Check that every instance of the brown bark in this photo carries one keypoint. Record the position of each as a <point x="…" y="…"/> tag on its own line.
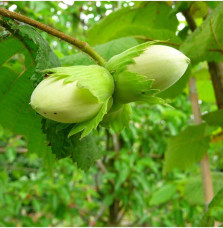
<point x="205" y="168"/>
<point x="114" y="207"/>
<point x="215" y="69"/>
<point x="216" y="72"/>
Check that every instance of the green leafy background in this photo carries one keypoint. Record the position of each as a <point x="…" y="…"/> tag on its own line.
<point x="148" y="174"/>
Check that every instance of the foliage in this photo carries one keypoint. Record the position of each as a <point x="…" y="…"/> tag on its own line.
<point x="214" y="212"/>
<point x="31" y="50"/>
<point x="209" y="32"/>
<point x="127" y="185"/>
<point x="186" y="148"/>
<point x="146" y="15"/>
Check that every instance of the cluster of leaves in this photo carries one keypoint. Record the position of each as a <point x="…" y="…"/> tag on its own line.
<point x="70" y="196"/>
<point x="30" y="197"/>
<point x="15" y="78"/>
<point x="132" y="181"/>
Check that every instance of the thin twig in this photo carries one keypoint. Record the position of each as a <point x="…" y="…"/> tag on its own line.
<point x="101" y="166"/>
<point x="171" y="43"/>
<point x="11" y="167"/>
<point x="15" y="140"/>
<point x="86" y="48"/>
<point x="190" y="21"/>
<point x="216" y="73"/>
<point x="215" y="50"/>
<point x="150" y="39"/>
<point x="116" y="142"/>
<point x="100" y="213"/>
<point x="18" y="150"/>
<point x="103" y="169"/>
<point x="120" y="216"/>
<point x="205" y="168"/>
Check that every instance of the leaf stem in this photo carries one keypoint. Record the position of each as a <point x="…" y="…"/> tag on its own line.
<point x="83" y="46"/>
<point x="171" y="43"/>
<point x="149" y="39"/>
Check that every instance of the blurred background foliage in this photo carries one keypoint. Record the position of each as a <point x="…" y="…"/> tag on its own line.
<point x="127" y="186"/>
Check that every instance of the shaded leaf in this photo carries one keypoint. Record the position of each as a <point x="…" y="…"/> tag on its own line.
<point x="84" y="152"/>
<point x="147" y="15"/>
<point x="215" y="210"/>
<point x="106" y="50"/>
<point x="214" y="118"/>
<point x="164" y="194"/>
<point x="200" y="44"/>
<point x="143" y="33"/>
<point x="193" y="191"/>
<point x="187" y="148"/>
<point x="118" y="119"/>
<point x="16" y="88"/>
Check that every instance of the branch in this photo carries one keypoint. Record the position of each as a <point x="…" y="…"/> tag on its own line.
<point x="205" y="167"/>
<point x="116" y="142"/>
<point x="77" y="43"/>
<point x="216" y="72"/>
<point x="100" y="213"/>
<point x="18" y="150"/>
<point x="103" y="169"/>
<point x="190" y="21"/>
<point x="215" y="69"/>
<point x="171" y="43"/>
<point x="149" y="39"/>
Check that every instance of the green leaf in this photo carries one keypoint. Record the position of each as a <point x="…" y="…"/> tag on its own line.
<point x="84" y="152"/>
<point x="132" y="87"/>
<point x="204" y="84"/>
<point x="187" y="148"/>
<point x="181" y="6"/>
<point x="117" y="119"/>
<point x="163" y="195"/>
<point x="147" y="15"/>
<point x="10" y="153"/>
<point x="45" y="57"/>
<point x="202" y="43"/>
<point x="198" y="9"/>
<point x="207" y="221"/>
<point x="212" y="4"/>
<point x="215" y="210"/>
<point x="193" y="191"/>
<point x="214" y="118"/>
<point x="106" y="50"/>
<point x="108" y="200"/>
<point x="202" y="73"/>
<point x="122" y="176"/>
<point x="143" y="33"/>
<point x="206" y="91"/>
<point x="16" y="88"/>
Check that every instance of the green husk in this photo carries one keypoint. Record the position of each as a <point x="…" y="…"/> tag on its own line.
<point x="131" y="87"/>
<point x="88" y="77"/>
<point x="94" y="79"/>
<point x="118" y="63"/>
<point x="118" y="117"/>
